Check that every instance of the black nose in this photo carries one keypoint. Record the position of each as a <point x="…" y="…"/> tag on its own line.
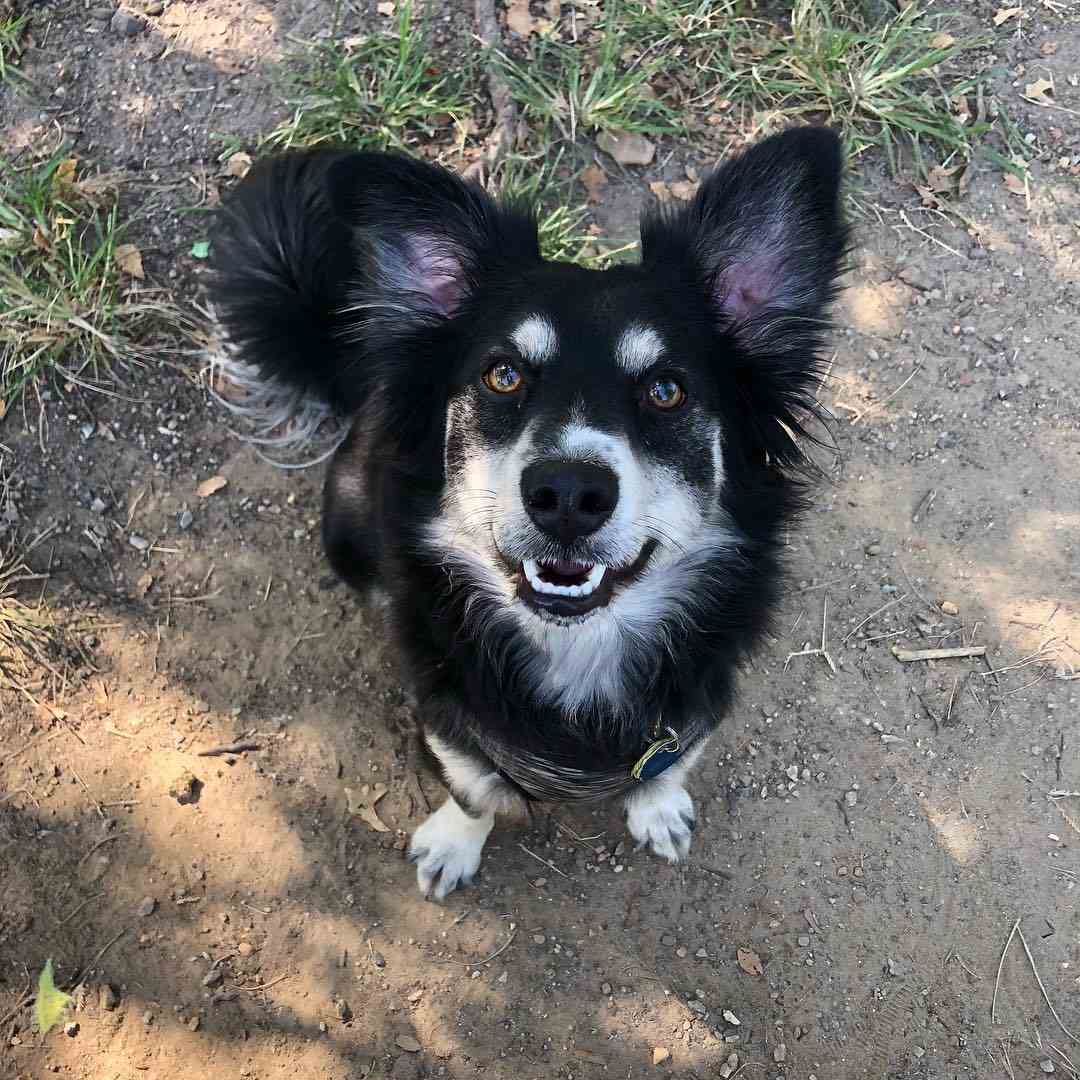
<point x="569" y="499"/>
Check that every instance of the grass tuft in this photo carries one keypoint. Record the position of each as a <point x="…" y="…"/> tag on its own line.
<point x="378" y="91"/>
<point x="69" y="308"/>
<point x="11" y="32"/>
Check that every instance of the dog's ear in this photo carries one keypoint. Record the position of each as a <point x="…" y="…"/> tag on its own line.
<point x="424" y="237"/>
<point x="763" y="235"/>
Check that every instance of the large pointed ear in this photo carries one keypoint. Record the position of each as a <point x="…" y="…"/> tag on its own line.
<point x="424" y="238"/>
<point x="764" y="235"/>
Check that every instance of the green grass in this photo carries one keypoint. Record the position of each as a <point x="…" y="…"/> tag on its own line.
<point x="378" y="92"/>
<point x="68" y="308"/>
<point x="895" y="86"/>
<point x="11" y="31"/>
<point x="575" y="88"/>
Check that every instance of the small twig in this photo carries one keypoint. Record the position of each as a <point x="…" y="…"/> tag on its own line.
<point x="873" y="615"/>
<point x="907" y="656"/>
<point x="99" y="954"/>
<point x="548" y="864"/>
<point x="1001" y="964"/>
<point x="498" y="952"/>
<point x="67" y="918"/>
<point x="251" y="907"/>
<point x="122" y="734"/>
<point x="89" y="794"/>
<point x="229" y="748"/>
<point x="114" y="836"/>
<point x="265" y="985"/>
<point x="1038" y="979"/>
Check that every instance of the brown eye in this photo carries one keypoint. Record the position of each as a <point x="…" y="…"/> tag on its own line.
<point x="503" y="378"/>
<point x="666" y="394"/>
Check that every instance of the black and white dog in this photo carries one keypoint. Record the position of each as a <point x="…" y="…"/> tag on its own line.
<point x="569" y="483"/>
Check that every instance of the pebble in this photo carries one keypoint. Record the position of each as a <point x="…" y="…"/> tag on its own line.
<point x="851" y="798"/>
<point x="408" y="1044"/>
<point x="147" y="906"/>
<point x="539" y="939"/>
<point x="605" y="988"/>
<point x="872" y="549"/>
<point x="728" y="1069"/>
<point x="792" y="772"/>
<point x="148" y="1018"/>
<point x="245" y="948"/>
<point x="185" y="788"/>
<point x="139" y="543"/>
<point x="731" y="1018"/>
<point x="193" y="1023"/>
<point x="344" y="1013"/>
<point x="780" y="1053"/>
<point x="702" y="954"/>
<point x="667" y="939"/>
<point x="185" y="520"/>
<point x="680" y="952"/>
<point x="99" y="505"/>
<point x="949" y="607"/>
<point x="124" y="24"/>
<point x="71" y="1029"/>
<point x="213" y="978"/>
<point x="804" y="940"/>
<point x="1046" y="1065"/>
<point x="154" y="7"/>
<point x="108" y="998"/>
<point x="660" y="1054"/>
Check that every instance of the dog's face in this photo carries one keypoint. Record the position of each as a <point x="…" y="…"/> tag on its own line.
<point x="584" y="446"/>
<point x="597" y="423"/>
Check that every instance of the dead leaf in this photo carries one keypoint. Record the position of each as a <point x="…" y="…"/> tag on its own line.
<point x="1015" y="184"/>
<point x="3" y="408"/>
<point x="684" y="190"/>
<point x="929" y="199"/>
<point x="41" y="241"/>
<point x="660" y="189"/>
<point x="408" y="1044"/>
<point x="238" y="165"/>
<point x="627" y="147"/>
<point x="1048" y="48"/>
<point x="941" y="179"/>
<point x="363" y="806"/>
<point x="1039" y="91"/>
<point x="519" y="19"/>
<point x="144" y="584"/>
<point x="210" y="486"/>
<point x="750" y="962"/>
<point x="595" y="180"/>
<point x="387" y="7"/>
<point x="129" y="259"/>
<point x="1003" y="15"/>
<point x="942" y="41"/>
<point x="65" y="171"/>
<point x="660" y="1054"/>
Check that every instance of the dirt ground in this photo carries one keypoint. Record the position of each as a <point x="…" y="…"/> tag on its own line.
<point x="869" y="834"/>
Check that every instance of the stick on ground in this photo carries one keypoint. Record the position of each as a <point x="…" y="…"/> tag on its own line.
<point x="906" y="656"/>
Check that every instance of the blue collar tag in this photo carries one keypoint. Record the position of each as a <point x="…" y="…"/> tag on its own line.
<point x="660" y="755"/>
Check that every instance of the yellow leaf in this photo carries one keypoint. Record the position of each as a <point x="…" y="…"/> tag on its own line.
<point x="129" y="259"/>
<point x="239" y="164"/>
<point x="750" y="962"/>
<point x="942" y="41"/>
<point x="65" y="171"/>
<point x="595" y="180"/>
<point x="1015" y="184"/>
<point x="50" y="1003"/>
<point x="210" y="486"/>
<point x="1039" y="91"/>
<point x="1005" y="14"/>
<point x="518" y="17"/>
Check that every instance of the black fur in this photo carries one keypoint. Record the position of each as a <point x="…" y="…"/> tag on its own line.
<point x="373" y="280"/>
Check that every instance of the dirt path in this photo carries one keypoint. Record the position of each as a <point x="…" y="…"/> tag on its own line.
<point x="869" y="834"/>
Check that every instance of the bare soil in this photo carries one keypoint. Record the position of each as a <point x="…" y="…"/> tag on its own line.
<point x="869" y="834"/>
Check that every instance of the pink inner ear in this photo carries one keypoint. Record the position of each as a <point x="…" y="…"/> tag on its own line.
<point x="745" y="288"/>
<point x="439" y="273"/>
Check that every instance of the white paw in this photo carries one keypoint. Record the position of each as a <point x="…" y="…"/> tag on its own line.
<point x="662" y="817"/>
<point x="447" y="849"/>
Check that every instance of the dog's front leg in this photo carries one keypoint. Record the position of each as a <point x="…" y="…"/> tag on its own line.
<point x="448" y="846"/>
<point x="660" y="812"/>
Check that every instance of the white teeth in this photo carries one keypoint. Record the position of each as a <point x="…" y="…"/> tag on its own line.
<point x="592" y="580"/>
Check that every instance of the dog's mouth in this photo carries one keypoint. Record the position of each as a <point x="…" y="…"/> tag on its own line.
<point x="567" y="590"/>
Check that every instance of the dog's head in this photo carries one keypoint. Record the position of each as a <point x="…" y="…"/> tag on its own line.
<point x="599" y="430"/>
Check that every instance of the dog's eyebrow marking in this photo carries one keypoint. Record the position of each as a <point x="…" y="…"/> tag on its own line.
<point x="535" y="339"/>
<point x="638" y="348"/>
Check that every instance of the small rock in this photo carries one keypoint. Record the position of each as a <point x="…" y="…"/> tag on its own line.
<point x="344" y="1013"/>
<point x="1046" y="1065"/>
<point x="702" y="954"/>
<point x="185" y="520"/>
<point x="804" y="940"/>
<point x="539" y="939"/>
<point x="408" y="1044"/>
<point x="627" y="147"/>
<point x="154" y="7"/>
<point x="71" y="1029"/>
<point x="213" y="977"/>
<point x="851" y="798"/>
<point x="193" y="1023"/>
<point x="910" y="276"/>
<point x="87" y="430"/>
<point x="148" y="1018"/>
<point x="792" y="772"/>
<point x="605" y="988"/>
<point x="731" y="1018"/>
<point x="124" y="24"/>
<point x="872" y="549"/>
<point x="99" y="505"/>
<point x="667" y="939"/>
<point x="779" y="1054"/>
<point x="949" y="607"/>
<point x="139" y="543"/>
<point x="728" y="1069"/>
<point x="660" y="1054"/>
<point x="245" y="948"/>
<point x="185" y="788"/>
<point x="147" y="906"/>
<point x="680" y="952"/>
<point x="378" y="959"/>
<point x="108" y="998"/>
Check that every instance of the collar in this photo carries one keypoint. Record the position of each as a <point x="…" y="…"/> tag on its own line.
<point x="665" y="749"/>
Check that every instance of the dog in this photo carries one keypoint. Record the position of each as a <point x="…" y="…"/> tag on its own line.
<point x="569" y="484"/>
